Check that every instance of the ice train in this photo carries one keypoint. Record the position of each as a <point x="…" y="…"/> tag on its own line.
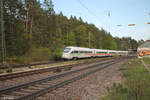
<point x="71" y="52"/>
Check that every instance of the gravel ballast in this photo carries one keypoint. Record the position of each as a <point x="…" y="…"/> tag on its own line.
<point x="93" y="87"/>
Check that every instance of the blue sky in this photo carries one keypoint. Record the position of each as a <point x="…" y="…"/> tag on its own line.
<point x="122" y="12"/>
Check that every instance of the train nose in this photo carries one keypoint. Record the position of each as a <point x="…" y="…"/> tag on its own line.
<point x="65" y="56"/>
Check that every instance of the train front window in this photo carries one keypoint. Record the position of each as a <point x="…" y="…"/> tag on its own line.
<point x="74" y="52"/>
<point x="67" y="50"/>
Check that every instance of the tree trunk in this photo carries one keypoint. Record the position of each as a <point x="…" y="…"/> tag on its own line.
<point x="31" y="27"/>
<point x="27" y="17"/>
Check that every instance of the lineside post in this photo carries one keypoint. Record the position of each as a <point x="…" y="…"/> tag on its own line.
<point x="89" y="41"/>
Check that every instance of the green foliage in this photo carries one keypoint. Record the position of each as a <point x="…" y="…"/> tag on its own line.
<point x="109" y="43"/>
<point x="81" y="36"/>
<point x="9" y="70"/>
<point x="69" y="39"/>
<point x="126" y="43"/>
<point x="117" y="92"/>
<point x="30" y="22"/>
<point x="147" y="61"/>
<point x="67" y="68"/>
<point x="136" y="85"/>
<point x="57" y="54"/>
<point x="58" y="70"/>
<point x="1" y="71"/>
<point x="36" y="54"/>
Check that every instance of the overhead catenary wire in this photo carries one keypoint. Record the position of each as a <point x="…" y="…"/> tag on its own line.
<point x="87" y="8"/>
<point x="89" y="11"/>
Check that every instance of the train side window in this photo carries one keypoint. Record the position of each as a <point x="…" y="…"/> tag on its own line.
<point x="75" y="51"/>
<point x="81" y="51"/>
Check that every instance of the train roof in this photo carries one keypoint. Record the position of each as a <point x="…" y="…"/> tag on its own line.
<point x="79" y="48"/>
<point x="82" y="48"/>
<point x="100" y="49"/>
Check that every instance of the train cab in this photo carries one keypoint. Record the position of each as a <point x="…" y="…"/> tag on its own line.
<point x="66" y="53"/>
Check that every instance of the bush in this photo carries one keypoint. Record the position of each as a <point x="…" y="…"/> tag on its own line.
<point x="1" y="71"/>
<point x="0" y="61"/>
<point x="67" y="68"/>
<point x="9" y="70"/>
<point x="57" y="54"/>
<point x="136" y="84"/>
<point x="35" y="55"/>
<point x="11" y="60"/>
<point x="30" y="67"/>
<point x="117" y="92"/>
<point x="58" y="70"/>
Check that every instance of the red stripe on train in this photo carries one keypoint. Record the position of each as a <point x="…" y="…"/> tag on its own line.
<point x="98" y="54"/>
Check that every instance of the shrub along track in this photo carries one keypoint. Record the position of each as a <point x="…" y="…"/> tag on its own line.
<point x="36" y="88"/>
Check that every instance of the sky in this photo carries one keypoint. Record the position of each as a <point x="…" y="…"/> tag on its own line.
<point x="122" y="12"/>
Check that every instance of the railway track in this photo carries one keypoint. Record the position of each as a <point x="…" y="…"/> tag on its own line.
<point x="33" y="89"/>
<point x="43" y="70"/>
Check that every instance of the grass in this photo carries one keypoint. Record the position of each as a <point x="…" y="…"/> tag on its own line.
<point x="9" y="70"/>
<point x="147" y="61"/>
<point x="35" y="54"/>
<point x="1" y="71"/>
<point x="136" y="85"/>
<point x="67" y="68"/>
<point x="58" y="70"/>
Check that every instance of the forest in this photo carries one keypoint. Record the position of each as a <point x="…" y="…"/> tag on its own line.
<point x="35" y="32"/>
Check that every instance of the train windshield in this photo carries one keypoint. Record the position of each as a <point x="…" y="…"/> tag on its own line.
<point x="67" y="50"/>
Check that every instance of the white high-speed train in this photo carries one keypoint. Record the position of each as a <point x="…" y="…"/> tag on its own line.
<point x="79" y="52"/>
